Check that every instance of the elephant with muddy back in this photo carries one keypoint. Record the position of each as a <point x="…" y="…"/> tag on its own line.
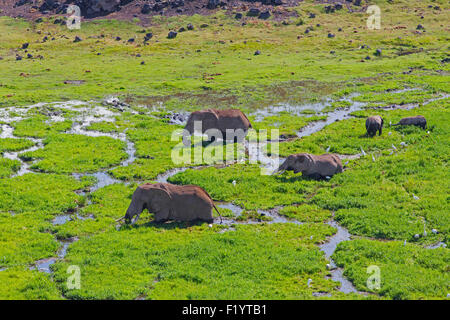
<point x="171" y="202"/>
<point x="418" y="121"/>
<point x="312" y="166"/>
<point x="214" y="121"/>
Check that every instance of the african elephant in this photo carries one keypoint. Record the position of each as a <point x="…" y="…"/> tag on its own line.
<point x="316" y="167"/>
<point x="221" y="120"/>
<point x="374" y="124"/>
<point x="419" y="121"/>
<point x="171" y="202"/>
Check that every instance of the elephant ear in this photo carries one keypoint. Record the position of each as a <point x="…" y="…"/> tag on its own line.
<point x="301" y="158"/>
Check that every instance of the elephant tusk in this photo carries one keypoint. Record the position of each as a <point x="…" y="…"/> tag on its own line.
<point x="278" y="172"/>
<point x="120" y="219"/>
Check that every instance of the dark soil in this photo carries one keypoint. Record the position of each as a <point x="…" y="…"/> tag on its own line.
<point x="144" y="9"/>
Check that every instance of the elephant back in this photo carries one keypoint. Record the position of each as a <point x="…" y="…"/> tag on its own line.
<point x="374" y="121"/>
<point x="191" y="202"/>
<point x="208" y="118"/>
<point x="232" y="119"/>
<point x="156" y="195"/>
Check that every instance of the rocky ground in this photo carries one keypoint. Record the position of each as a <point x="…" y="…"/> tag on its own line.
<point x="129" y="9"/>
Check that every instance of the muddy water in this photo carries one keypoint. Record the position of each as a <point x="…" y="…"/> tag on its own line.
<point x="329" y="247"/>
<point x="7" y="132"/>
<point x="437" y="245"/>
<point x="45" y="264"/>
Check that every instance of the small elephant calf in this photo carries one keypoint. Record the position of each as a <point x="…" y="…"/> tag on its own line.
<point x="222" y="123"/>
<point x="374" y="124"/>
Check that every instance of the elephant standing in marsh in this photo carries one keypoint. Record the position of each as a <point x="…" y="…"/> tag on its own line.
<point x="171" y="202"/>
<point x="316" y="167"/>
<point x="419" y="121"/>
<point x="220" y="120"/>
<point x="374" y="124"/>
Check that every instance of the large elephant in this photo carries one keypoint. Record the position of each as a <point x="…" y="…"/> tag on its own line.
<point x="220" y="120"/>
<point x="374" y="124"/>
<point x="316" y="167"/>
<point x="419" y="121"/>
<point x="171" y="202"/>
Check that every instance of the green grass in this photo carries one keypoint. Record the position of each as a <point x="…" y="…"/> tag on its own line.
<point x="255" y="261"/>
<point x="375" y="198"/>
<point x="23" y="238"/>
<point x="108" y="204"/>
<point x="66" y="153"/>
<point x="38" y="127"/>
<point x="307" y="213"/>
<point x="252" y="190"/>
<point x="40" y="193"/>
<point x="11" y="144"/>
<point x="406" y="272"/>
<point x="287" y="124"/>
<point x="23" y="284"/>
<point x="224" y="70"/>
<point x="216" y="67"/>
<point x="8" y="167"/>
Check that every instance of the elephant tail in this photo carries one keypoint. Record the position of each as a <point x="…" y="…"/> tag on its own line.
<point x="218" y="213"/>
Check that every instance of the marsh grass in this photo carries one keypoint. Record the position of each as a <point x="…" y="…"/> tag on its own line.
<point x="40" y="193"/>
<point x="373" y="199"/>
<point x="24" y="238"/>
<point x="225" y="266"/>
<point x="251" y="190"/>
<point x="11" y="144"/>
<point x="8" y="167"/>
<point x="22" y="284"/>
<point x="39" y="127"/>
<point x="406" y="272"/>
<point x="66" y="153"/>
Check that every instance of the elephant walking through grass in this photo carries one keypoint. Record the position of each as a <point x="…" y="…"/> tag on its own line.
<point x="374" y="124"/>
<point x="312" y="166"/>
<point x="214" y="122"/>
<point x="419" y="121"/>
<point x="171" y="202"/>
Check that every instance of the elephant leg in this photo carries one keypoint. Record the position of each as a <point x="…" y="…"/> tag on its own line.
<point x="379" y="131"/>
<point x="315" y="176"/>
<point x="162" y="215"/>
<point x="209" y="220"/>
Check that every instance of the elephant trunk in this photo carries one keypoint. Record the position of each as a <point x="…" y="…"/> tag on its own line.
<point x="133" y="209"/>
<point x="282" y="168"/>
